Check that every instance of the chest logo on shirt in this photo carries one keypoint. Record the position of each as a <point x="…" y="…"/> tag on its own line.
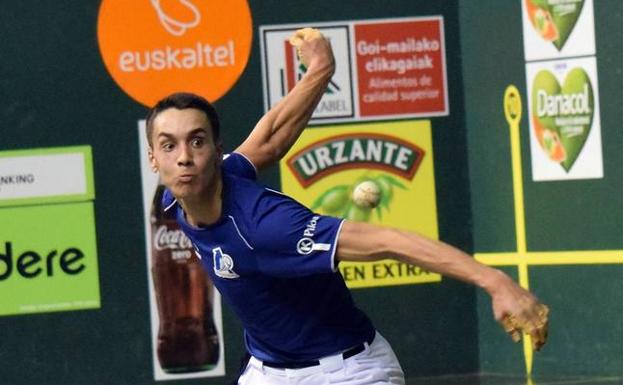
<point x="223" y="264"/>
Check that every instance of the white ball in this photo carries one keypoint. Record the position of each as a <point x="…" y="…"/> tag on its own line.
<point x="367" y="194"/>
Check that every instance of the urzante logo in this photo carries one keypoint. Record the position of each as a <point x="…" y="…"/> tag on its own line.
<point x="223" y="264"/>
<point x="29" y="264"/>
<point x="306" y="244"/>
<point x="360" y="150"/>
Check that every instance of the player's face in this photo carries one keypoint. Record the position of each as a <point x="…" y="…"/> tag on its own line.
<point x="184" y="152"/>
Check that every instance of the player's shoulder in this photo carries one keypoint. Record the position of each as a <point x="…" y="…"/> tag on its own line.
<point x="258" y="203"/>
<point x="238" y="164"/>
<point x="251" y="195"/>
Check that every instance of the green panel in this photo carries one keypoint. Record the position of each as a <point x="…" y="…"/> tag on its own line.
<point x="569" y="215"/>
<point x="498" y="353"/>
<point x="48" y="258"/>
<point x="431" y="326"/>
<point x="557" y="213"/>
<point x="579" y="215"/>
<point x="584" y="324"/>
<point x="585" y="319"/>
<point x="492" y="59"/>
<point x="89" y="194"/>
<point x="55" y="92"/>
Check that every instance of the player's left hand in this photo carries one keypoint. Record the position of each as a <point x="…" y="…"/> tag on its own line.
<point x="519" y="312"/>
<point x="313" y="48"/>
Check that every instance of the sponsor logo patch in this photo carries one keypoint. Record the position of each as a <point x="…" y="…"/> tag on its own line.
<point x="223" y="264"/>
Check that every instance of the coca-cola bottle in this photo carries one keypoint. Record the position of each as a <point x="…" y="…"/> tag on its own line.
<point x="187" y="337"/>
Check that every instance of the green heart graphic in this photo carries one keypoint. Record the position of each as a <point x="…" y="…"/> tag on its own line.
<point x="562" y="117"/>
<point x="554" y="19"/>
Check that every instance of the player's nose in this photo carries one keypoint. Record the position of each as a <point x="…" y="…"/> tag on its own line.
<point x="184" y="157"/>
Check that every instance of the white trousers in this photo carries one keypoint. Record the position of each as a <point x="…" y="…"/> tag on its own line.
<point x="376" y="365"/>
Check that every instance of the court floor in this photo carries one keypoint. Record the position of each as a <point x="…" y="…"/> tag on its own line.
<point x="495" y="379"/>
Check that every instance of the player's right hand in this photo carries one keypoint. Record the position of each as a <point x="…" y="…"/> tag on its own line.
<point x="313" y="48"/>
<point x="519" y="312"/>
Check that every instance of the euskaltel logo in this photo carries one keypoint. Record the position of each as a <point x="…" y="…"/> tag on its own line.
<point x="152" y="48"/>
<point x="32" y="264"/>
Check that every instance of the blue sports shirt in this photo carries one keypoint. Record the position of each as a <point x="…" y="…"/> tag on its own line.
<point x="273" y="261"/>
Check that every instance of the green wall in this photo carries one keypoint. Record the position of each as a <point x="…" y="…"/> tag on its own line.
<point x="55" y="91"/>
<point x="560" y="216"/>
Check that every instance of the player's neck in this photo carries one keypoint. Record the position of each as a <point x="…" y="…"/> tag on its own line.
<point x="206" y="208"/>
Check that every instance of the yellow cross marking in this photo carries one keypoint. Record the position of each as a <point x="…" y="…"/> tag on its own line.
<point x="523" y="258"/>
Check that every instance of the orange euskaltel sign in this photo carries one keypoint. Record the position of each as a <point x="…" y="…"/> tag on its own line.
<point x="152" y="48"/>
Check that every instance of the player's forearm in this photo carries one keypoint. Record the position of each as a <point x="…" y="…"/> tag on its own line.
<point x="442" y="258"/>
<point x="378" y="242"/>
<point x="290" y="116"/>
<point x="280" y="127"/>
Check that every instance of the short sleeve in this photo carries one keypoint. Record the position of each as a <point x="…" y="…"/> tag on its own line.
<point x="239" y="165"/>
<point x="291" y="240"/>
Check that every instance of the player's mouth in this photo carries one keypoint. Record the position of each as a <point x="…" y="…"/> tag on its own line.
<point x="186" y="178"/>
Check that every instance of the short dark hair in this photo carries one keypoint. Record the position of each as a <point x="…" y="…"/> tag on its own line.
<point x="182" y="101"/>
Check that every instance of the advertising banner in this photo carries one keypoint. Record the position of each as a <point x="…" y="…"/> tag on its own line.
<point x="186" y="321"/>
<point x="327" y="164"/>
<point x="553" y="29"/>
<point x="565" y="128"/>
<point x="385" y="68"/>
<point x="154" y="48"/>
<point x="48" y="251"/>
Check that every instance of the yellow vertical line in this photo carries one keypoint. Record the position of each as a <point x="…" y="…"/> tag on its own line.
<point x="512" y="112"/>
<point x="520" y="222"/>
<point x="527" y="340"/>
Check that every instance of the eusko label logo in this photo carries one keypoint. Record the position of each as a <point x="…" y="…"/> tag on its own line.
<point x="282" y="70"/>
<point x="152" y="48"/>
<point x="295" y="70"/>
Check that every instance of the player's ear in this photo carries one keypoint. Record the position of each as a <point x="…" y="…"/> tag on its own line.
<point x="153" y="163"/>
<point x="219" y="151"/>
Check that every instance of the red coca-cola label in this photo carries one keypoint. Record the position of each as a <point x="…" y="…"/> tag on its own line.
<point x="168" y="239"/>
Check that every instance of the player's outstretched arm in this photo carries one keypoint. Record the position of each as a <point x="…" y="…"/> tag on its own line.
<point x="515" y="308"/>
<point x="279" y="128"/>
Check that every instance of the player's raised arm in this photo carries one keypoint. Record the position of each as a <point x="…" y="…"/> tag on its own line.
<point x="515" y="308"/>
<point x="279" y="128"/>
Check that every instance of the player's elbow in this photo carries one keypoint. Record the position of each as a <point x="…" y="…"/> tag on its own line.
<point x="364" y="242"/>
<point x="268" y="154"/>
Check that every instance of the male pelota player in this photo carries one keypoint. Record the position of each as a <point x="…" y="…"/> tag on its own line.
<point x="275" y="262"/>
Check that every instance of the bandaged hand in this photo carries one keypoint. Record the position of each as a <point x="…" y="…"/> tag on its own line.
<point x="310" y="42"/>
<point x="519" y="312"/>
<point x="535" y="326"/>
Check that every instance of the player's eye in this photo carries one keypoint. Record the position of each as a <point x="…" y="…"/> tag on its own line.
<point x="197" y="142"/>
<point x="167" y="146"/>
